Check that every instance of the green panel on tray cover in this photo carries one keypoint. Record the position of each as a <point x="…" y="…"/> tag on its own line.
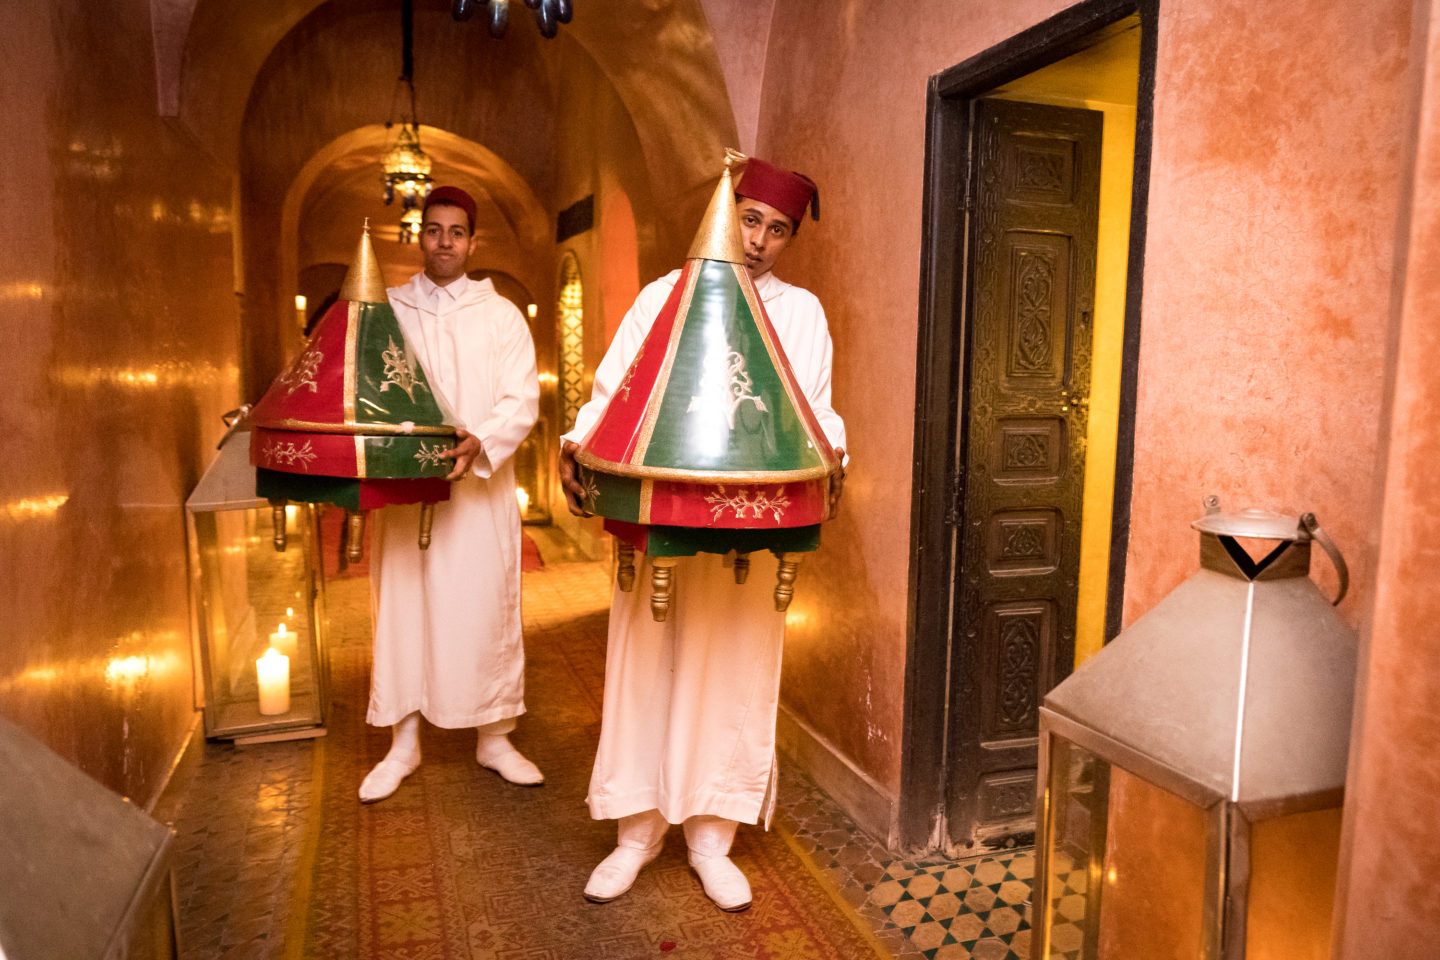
<point x="390" y="387"/>
<point x="341" y="491"/>
<point x="405" y="458"/>
<point x="688" y="541"/>
<point x="610" y="496"/>
<point x="699" y="437"/>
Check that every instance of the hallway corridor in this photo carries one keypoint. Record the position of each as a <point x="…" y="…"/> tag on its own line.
<point x="277" y="859"/>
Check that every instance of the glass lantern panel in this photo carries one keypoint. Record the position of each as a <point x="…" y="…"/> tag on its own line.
<point x="1125" y="862"/>
<point x="1293" y="863"/>
<point x="248" y="591"/>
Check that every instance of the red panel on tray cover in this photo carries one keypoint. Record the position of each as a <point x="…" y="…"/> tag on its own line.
<point x="383" y="493"/>
<point x="613" y="437"/>
<point x="316" y="454"/>
<point x="314" y="385"/>
<point x="738" y="506"/>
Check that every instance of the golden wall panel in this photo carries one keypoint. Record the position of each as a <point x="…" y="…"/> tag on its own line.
<point x="115" y="283"/>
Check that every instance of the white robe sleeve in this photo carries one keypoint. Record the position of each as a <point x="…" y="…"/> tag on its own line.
<point x="517" y="392"/>
<point x="812" y="369"/>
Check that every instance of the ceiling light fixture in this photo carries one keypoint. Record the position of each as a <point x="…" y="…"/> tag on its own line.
<point x="407" y="166"/>
<point x="549" y="14"/>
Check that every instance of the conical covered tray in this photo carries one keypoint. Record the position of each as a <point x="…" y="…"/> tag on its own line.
<point x="709" y="427"/>
<point x="708" y="443"/>
<point x="354" y="406"/>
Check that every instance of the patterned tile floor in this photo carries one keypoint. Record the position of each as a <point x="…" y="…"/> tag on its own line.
<point x="934" y="908"/>
<point x="239" y="812"/>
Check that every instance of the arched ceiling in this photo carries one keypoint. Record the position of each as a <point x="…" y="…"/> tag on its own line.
<point x="340" y="187"/>
<point x="660" y="56"/>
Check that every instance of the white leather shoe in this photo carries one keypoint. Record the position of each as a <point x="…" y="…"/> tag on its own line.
<point x="616" y="873"/>
<point x="385" y="779"/>
<point x="723" y="882"/>
<point x="498" y="754"/>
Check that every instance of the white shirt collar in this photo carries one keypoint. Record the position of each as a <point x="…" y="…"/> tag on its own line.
<point x="437" y="295"/>
<point x="770" y="286"/>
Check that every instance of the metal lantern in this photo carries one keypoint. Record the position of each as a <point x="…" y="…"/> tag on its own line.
<point x="86" y="874"/>
<point x="258" y="614"/>
<point x="1192" y="772"/>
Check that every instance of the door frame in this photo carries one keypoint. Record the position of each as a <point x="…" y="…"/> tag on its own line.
<point x="942" y="374"/>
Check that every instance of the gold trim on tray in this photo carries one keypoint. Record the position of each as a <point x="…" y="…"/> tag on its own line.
<point x="382" y="429"/>
<point x="662" y="379"/>
<point x="647" y="495"/>
<point x="352" y="333"/>
<point x="588" y="459"/>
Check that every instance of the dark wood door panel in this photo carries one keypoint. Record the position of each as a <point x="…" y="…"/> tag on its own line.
<point x="1035" y="206"/>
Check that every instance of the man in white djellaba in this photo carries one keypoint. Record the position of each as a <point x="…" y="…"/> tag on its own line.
<point x="447" y="619"/>
<point x="688" y="727"/>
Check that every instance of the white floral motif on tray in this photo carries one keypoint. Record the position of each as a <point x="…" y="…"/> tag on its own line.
<point x="624" y="390"/>
<point x="755" y="503"/>
<point x="289" y="454"/>
<point x="400" y="371"/>
<point x="302" y="374"/>
<point x="592" y="491"/>
<point x="725" y="385"/>
<point x="431" y="456"/>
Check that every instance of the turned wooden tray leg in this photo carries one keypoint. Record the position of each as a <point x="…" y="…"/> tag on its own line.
<point x="354" y="535"/>
<point x="785" y="579"/>
<point x="742" y="567"/>
<point x="277" y="515"/>
<point x="662" y="583"/>
<point x="625" y="567"/>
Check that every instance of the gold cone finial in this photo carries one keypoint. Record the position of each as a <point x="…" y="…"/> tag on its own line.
<point x="364" y="282"/>
<point x="719" y="235"/>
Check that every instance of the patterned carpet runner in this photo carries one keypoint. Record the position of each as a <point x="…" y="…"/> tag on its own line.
<point x="459" y="865"/>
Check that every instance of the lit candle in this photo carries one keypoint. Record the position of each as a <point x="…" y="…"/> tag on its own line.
<point x="522" y="496"/>
<point x="273" y="673"/>
<point x="283" y="641"/>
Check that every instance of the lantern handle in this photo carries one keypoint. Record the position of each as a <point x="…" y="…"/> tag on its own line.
<point x="233" y="421"/>
<point x="1312" y="526"/>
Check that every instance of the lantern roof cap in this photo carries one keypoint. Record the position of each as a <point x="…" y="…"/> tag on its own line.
<point x="1250" y="522"/>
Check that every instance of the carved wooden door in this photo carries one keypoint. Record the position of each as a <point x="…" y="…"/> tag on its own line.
<point x="1033" y="199"/>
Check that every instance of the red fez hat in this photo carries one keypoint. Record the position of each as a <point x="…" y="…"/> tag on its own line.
<point x="785" y="190"/>
<point x="455" y="197"/>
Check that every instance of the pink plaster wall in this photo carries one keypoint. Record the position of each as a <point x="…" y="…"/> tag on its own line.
<point x="1386" y="905"/>
<point x="742" y="35"/>
<point x="598" y="154"/>
<point x="1274" y="185"/>
<point x="121" y="329"/>
<point x="1272" y="214"/>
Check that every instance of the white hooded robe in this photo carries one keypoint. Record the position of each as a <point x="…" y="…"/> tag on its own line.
<point x="447" y="619"/>
<point x="688" y="724"/>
